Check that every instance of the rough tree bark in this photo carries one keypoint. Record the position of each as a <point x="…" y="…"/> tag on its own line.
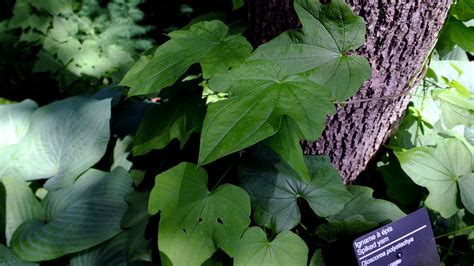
<point x="400" y="35"/>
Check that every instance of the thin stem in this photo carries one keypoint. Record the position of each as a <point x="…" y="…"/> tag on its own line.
<point x="456" y="231"/>
<point x="222" y="177"/>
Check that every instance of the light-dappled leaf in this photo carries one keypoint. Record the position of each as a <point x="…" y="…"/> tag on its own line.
<point x="260" y="95"/>
<point x="320" y="48"/>
<point x="286" y="143"/>
<point x="195" y="221"/>
<point x="8" y="258"/>
<point x="110" y="253"/>
<point x="317" y="258"/>
<point x="122" y="150"/>
<point x="80" y="216"/>
<point x="64" y="139"/>
<point x="274" y="188"/>
<point x="438" y="169"/>
<point x="207" y="43"/>
<point x="167" y="121"/>
<point x="456" y="109"/>
<point x="286" y="249"/>
<point x="362" y="204"/>
<point x="15" y="121"/>
<point x="20" y="204"/>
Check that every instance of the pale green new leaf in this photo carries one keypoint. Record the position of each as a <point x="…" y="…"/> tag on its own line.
<point x="320" y="47"/>
<point x="456" y="109"/>
<point x="260" y="95"/>
<point x="21" y="204"/>
<point x="275" y="188"/>
<point x="64" y="139"/>
<point x="80" y="216"/>
<point x="15" y="121"/>
<point x="122" y="150"/>
<point x="286" y="249"/>
<point x="194" y="221"/>
<point x="207" y="43"/>
<point x="466" y="187"/>
<point x="439" y="170"/>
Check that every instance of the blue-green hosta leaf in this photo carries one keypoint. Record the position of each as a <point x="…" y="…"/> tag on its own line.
<point x="8" y="258"/>
<point x="275" y="188"/>
<point x="64" y="139"/>
<point x="15" y="121"/>
<point x="21" y="204"/>
<point x="110" y="253"/>
<point x="439" y="170"/>
<point x="167" y="121"/>
<point x="79" y="217"/>
<point x="362" y="204"/>
<point x="320" y="48"/>
<point x="286" y="249"/>
<point x="260" y="95"/>
<point x="195" y="221"/>
<point x="207" y="43"/>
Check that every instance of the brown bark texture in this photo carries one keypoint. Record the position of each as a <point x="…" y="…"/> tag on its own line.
<point x="400" y="35"/>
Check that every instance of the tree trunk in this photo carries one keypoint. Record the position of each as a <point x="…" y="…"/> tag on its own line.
<point x="400" y="36"/>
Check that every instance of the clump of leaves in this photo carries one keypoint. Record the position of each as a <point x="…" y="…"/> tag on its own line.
<point x="82" y="39"/>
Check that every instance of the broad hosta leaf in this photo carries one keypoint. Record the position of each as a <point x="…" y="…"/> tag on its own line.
<point x="14" y="121"/>
<point x="275" y="188"/>
<point x="79" y="217"/>
<point x="167" y="121"/>
<point x="20" y="204"/>
<point x="362" y="204"/>
<point x="439" y="170"/>
<point x="286" y="143"/>
<point x="260" y="95"/>
<point x="110" y="253"/>
<point x="194" y="221"/>
<point x="207" y="43"/>
<point x="286" y="249"/>
<point x="64" y="139"/>
<point x="7" y="258"/>
<point x="320" y="48"/>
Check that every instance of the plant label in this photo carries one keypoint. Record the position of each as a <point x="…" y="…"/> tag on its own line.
<point x="408" y="241"/>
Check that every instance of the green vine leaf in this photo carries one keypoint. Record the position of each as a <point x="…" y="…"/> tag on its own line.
<point x="167" y="121"/>
<point x="439" y="169"/>
<point x="78" y="217"/>
<point x="286" y="249"/>
<point x="320" y="49"/>
<point x="195" y="221"/>
<point x="275" y="188"/>
<point x="207" y="43"/>
<point x="260" y="96"/>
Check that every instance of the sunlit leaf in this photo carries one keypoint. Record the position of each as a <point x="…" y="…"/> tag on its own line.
<point x="195" y="221"/>
<point x="439" y="170"/>
<point x="286" y="249"/>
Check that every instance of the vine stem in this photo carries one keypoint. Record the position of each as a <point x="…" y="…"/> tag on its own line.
<point x="222" y="176"/>
<point x="456" y="231"/>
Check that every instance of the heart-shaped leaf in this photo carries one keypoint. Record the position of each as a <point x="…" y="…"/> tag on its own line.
<point x="194" y="221"/>
<point x="439" y="170"/>
<point x="286" y="249"/>
<point x="274" y="188"/>
<point x="320" y="48"/>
